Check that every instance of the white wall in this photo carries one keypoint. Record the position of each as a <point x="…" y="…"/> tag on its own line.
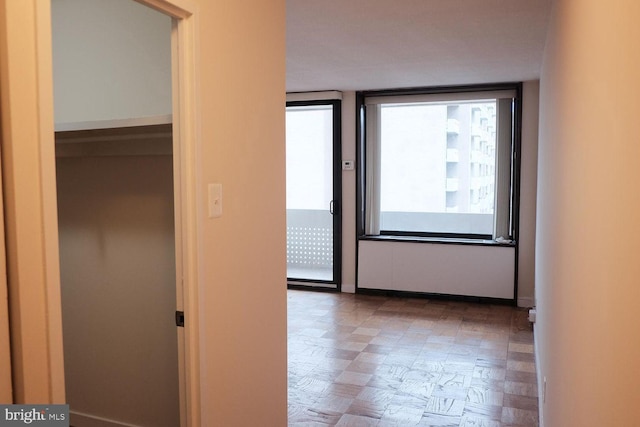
<point x="587" y="266"/>
<point x="111" y="60"/>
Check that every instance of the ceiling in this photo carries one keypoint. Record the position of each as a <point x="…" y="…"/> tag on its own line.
<point x="383" y="44"/>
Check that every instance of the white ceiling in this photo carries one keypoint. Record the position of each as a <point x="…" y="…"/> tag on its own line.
<point x="382" y="44"/>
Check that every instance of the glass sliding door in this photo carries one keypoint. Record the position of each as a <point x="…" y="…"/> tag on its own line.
<point x="313" y="193"/>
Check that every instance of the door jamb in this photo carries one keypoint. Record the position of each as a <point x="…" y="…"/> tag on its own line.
<point x="6" y="387"/>
<point x="185" y="154"/>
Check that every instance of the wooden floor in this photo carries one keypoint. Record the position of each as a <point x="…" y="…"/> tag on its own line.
<point x="375" y="361"/>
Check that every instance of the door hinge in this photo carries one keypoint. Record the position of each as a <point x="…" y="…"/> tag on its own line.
<point x="180" y="318"/>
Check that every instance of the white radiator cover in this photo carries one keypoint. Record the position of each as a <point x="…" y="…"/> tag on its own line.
<point x="466" y="270"/>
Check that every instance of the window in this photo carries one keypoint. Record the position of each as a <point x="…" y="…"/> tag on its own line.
<point x="439" y="164"/>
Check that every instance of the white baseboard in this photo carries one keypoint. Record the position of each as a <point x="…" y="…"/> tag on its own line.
<point x="79" y="419"/>
<point x="526" y="302"/>
<point x="348" y="288"/>
<point x="539" y="378"/>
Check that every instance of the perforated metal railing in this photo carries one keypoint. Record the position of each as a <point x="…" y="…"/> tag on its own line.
<point x="309" y="238"/>
<point x="309" y="246"/>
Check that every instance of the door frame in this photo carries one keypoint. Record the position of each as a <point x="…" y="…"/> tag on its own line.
<point x="28" y="161"/>
<point x="6" y="389"/>
<point x="336" y="104"/>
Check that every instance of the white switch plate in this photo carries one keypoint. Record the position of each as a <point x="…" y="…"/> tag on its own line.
<point x="215" y="200"/>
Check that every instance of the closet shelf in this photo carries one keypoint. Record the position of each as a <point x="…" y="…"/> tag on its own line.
<point x="115" y="123"/>
<point x="138" y="140"/>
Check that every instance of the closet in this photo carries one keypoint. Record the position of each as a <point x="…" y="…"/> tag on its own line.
<point x="117" y="264"/>
<point x="115" y="190"/>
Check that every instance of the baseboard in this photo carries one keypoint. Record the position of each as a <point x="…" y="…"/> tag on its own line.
<point x="79" y="419"/>
<point x="349" y="289"/>
<point x="526" y="302"/>
<point x="428" y="295"/>
<point x="539" y="378"/>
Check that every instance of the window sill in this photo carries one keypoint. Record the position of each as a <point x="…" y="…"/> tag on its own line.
<point x="437" y="240"/>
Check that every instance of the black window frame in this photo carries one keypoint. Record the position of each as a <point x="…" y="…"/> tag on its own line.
<point x="431" y="237"/>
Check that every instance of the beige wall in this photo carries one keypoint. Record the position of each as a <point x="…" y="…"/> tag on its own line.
<point x="587" y="231"/>
<point x="243" y="253"/>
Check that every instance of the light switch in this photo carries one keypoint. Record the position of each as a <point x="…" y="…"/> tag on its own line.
<point x="215" y="200"/>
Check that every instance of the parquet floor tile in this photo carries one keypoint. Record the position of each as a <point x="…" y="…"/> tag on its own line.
<point x="359" y="360"/>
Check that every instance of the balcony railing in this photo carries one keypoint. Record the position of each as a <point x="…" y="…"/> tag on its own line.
<point x="309" y="239"/>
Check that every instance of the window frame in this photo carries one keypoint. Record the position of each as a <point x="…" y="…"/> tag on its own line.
<point x="438" y="237"/>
